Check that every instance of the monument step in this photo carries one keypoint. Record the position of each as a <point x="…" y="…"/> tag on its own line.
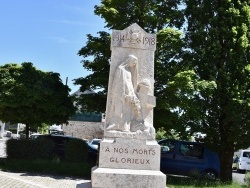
<point x="120" y="178"/>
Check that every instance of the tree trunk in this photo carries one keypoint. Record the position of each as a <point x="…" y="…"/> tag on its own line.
<point x="226" y="157"/>
<point x="27" y="130"/>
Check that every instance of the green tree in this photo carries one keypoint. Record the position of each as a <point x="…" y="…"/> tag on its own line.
<point x="152" y="16"/>
<point x="33" y="97"/>
<point x="201" y="77"/>
<point x="97" y="54"/>
<point x="213" y="97"/>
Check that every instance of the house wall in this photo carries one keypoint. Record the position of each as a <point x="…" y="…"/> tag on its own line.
<point x="84" y="130"/>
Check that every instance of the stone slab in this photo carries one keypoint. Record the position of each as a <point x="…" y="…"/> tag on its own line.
<point x="121" y="178"/>
<point x="130" y="100"/>
<point x="133" y="37"/>
<point x="119" y="153"/>
<point x="142" y="135"/>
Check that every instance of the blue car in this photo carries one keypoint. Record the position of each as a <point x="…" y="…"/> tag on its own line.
<point x="188" y="158"/>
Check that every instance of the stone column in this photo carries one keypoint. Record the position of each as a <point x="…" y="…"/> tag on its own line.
<point x="2" y="129"/>
<point x="129" y="154"/>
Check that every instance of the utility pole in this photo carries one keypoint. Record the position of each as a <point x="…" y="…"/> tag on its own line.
<point x="66" y="81"/>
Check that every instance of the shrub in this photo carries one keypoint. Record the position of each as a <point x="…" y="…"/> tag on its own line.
<point x="29" y="149"/>
<point x="76" y="150"/>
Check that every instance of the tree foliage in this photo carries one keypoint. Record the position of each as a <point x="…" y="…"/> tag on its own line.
<point x="97" y="54"/>
<point x="33" y="97"/>
<point x="151" y="15"/>
<point x="201" y="75"/>
<point x="213" y="96"/>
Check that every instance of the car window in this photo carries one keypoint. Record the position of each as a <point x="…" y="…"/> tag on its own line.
<point x="246" y="154"/>
<point x="96" y="142"/>
<point x="235" y="160"/>
<point x="167" y="146"/>
<point x="192" y="150"/>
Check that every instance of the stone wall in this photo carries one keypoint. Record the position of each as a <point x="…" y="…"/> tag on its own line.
<point x="84" y="130"/>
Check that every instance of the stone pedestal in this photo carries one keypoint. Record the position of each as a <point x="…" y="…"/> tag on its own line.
<point x="121" y="178"/>
<point x="128" y="163"/>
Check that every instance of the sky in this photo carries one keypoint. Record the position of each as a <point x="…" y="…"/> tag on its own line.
<point x="49" y="34"/>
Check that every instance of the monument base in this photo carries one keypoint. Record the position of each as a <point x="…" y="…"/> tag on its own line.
<point x="121" y="178"/>
<point x="142" y="135"/>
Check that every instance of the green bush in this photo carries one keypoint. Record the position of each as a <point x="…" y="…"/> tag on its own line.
<point x="29" y="149"/>
<point x="76" y="150"/>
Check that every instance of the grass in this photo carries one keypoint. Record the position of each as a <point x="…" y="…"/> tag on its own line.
<point x="55" y="167"/>
<point x="247" y="178"/>
<point x="186" y="182"/>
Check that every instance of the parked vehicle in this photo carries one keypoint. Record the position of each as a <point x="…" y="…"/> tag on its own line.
<point x="235" y="161"/>
<point x="34" y="136"/>
<point x="94" y="143"/>
<point x="187" y="158"/>
<point x="56" y="130"/>
<point x="243" y="162"/>
<point x="93" y="148"/>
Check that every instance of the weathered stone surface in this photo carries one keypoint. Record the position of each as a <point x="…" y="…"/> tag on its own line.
<point x="125" y="178"/>
<point x="129" y="154"/>
<point x="84" y="130"/>
<point x="133" y="37"/>
<point x="130" y="102"/>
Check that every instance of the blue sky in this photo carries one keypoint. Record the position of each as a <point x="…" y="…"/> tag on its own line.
<point x="48" y="33"/>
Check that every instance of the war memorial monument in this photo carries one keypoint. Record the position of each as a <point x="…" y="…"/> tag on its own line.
<point x="129" y="155"/>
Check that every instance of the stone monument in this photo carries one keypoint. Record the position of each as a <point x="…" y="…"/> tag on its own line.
<point x="129" y="156"/>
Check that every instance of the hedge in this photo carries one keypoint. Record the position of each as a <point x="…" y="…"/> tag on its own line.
<point x="76" y="150"/>
<point x="29" y="149"/>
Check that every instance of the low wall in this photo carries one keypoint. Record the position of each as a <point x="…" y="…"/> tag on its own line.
<point x="84" y="130"/>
